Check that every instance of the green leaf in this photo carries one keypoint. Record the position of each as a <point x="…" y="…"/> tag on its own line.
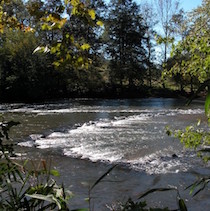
<point x="54" y="173"/>
<point x="68" y="56"/>
<point x="56" y="63"/>
<point x="53" y="50"/>
<point x="45" y="27"/>
<point x="182" y="205"/>
<point x="49" y="198"/>
<point x="80" y="59"/>
<point x="207" y="104"/>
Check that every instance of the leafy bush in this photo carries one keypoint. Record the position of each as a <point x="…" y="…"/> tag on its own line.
<point x="22" y="189"/>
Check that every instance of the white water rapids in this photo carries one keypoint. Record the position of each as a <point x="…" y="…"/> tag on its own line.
<point x="130" y="132"/>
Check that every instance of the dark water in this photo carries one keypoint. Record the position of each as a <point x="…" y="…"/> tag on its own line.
<point x="85" y="137"/>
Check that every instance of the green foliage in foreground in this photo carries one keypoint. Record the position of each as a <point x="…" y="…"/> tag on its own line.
<point x="195" y="138"/>
<point x="199" y="140"/>
<point x="137" y="206"/>
<point x="22" y="189"/>
<point x="142" y="205"/>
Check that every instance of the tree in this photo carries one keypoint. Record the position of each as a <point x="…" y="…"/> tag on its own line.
<point x="24" y="75"/>
<point x="47" y="27"/>
<point x="148" y="14"/>
<point x="180" y="30"/>
<point x="195" y="49"/>
<point x="125" y="42"/>
<point x="166" y="9"/>
<point x="7" y="15"/>
<point x="83" y="75"/>
<point x="66" y="47"/>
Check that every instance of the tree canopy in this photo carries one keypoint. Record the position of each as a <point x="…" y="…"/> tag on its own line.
<point x="113" y="49"/>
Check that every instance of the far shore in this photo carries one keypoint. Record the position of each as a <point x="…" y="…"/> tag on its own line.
<point x="113" y="93"/>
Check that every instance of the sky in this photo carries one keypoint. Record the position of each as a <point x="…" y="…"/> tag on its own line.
<point x="187" y="5"/>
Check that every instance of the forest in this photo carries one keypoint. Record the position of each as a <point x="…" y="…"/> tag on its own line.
<point x="53" y="49"/>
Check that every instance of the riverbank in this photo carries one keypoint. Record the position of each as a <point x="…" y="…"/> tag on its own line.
<point x="107" y="93"/>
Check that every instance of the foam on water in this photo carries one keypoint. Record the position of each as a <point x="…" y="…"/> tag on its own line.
<point x="161" y="162"/>
<point x="46" y="109"/>
<point x="131" y="134"/>
<point x="115" y="140"/>
<point x="174" y="112"/>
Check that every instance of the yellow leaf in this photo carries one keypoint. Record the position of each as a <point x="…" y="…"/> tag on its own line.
<point x="74" y="3"/>
<point x="92" y="14"/>
<point x="85" y="46"/>
<point x="80" y="60"/>
<point x="72" y="38"/>
<point x="74" y="11"/>
<point x="66" y="1"/>
<point x="1" y="28"/>
<point x="45" y="27"/>
<point x="99" y="23"/>
<point x="63" y="21"/>
<point x="68" y="56"/>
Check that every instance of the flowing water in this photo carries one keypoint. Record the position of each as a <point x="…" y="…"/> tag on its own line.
<point x="130" y="133"/>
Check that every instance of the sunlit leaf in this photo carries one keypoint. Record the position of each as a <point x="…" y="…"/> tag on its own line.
<point x="54" y="173"/>
<point x="85" y="46"/>
<point x="74" y="3"/>
<point x="45" y="27"/>
<point x="80" y="60"/>
<point x="207" y="104"/>
<point x="99" y="23"/>
<point x="56" y="63"/>
<point x="49" y="198"/>
<point x="38" y="49"/>
<point x="46" y="49"/>
<point x="66" y="1"/>
<point x="92" y="14"/>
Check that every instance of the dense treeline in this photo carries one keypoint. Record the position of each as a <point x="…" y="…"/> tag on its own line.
<point x="121" y="53"/>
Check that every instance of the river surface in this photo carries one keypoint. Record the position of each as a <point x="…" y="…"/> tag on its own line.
<point x="84" y="137"/>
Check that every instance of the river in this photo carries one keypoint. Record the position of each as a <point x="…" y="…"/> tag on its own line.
<point x="84" y="137"/>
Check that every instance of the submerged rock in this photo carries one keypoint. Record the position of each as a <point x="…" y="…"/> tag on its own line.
<point x="174" y="156"/>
